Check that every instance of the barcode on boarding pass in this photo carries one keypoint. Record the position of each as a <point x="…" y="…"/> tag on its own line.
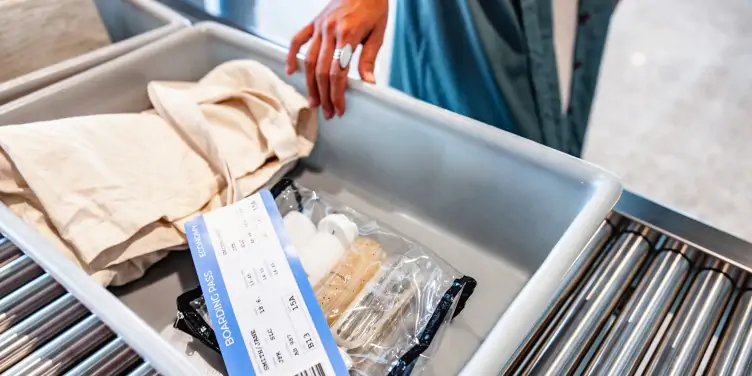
<point x="317" y="370"/>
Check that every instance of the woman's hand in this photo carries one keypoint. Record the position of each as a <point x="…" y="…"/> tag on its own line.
<point x="342" y="22"/>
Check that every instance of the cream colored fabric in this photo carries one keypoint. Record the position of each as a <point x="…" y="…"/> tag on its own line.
<point x="38" y="33"/>
<point x="113" y="190"/>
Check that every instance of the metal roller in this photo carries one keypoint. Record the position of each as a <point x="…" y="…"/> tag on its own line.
<point x="733" y="356"/>
<point x="112" y="359"/>
<point x="626" y="344"/>
<point x="8" y="251"/>
<point x="143" y="370"/>
<point x="569" y="341"/>
<point x="27" y="299"/>
<point x="65" y="350"/>
<point x="16" y="273"/>
<point x="572" y="284"/>
<point x="23" y="338"/>
<point x="680" y="352"/>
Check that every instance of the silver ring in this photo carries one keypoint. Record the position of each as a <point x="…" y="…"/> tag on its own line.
<point x="343" y="55"/>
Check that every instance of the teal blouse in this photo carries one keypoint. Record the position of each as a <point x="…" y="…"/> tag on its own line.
<point x="494" y="61"/>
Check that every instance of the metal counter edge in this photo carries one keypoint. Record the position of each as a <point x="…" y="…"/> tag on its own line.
<point x="698" y="234"/>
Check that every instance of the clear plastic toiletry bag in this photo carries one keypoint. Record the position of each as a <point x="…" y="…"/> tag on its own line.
<point x="385" y="297"/>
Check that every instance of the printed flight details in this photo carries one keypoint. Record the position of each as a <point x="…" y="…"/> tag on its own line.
<point x="263" y="309"/>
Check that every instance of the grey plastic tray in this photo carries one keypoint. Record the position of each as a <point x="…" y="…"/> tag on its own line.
<point x="509" y="212"/>
<point x="130" y="23"/>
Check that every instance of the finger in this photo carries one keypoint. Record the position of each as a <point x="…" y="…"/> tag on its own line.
<point x="303" y="36"/>
<point x="371" y="47"/>
<point x="311" y="59"/>
<point x="328" y="43"/>
<point x="338" y="75"/>
<point x="338" y="81"/>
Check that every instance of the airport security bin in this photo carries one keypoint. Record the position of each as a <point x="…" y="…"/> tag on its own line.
<point x="130" y="24"/>
<point x="513" y="214"/>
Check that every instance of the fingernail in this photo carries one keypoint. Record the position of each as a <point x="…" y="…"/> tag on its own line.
<point x="327" y="115"/>
<point x="370" y="78"/>
<point x="313" y="102"/>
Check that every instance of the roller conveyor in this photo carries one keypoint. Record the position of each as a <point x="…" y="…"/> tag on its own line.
<point x="661" y="323"/>
<point x="67" y="348"/>
<point x="733" y="356"/>
<point x="8" y="252"/>
<point x="638" y="301"/>
<point x="44" y="330"/>
<point x="574" y="282"/>
<point x="16" y="273"/>
<point x="27" y="299"/>
<point x="682" y="349"/>
<point x="626" y="344"/>
<point x="112" y="359"/>
<point x="569" y="342"/>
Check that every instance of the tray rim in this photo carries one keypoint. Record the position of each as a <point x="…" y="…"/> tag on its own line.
<point x="512" y="326"/>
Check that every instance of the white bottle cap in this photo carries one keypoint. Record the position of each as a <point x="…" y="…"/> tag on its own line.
<point x="319" y="255"/>
<point x="341" y="227"/>
<point x="299" y="228"/>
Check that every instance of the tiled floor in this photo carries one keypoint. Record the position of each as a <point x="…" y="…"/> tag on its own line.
<point x="672" y="114"/>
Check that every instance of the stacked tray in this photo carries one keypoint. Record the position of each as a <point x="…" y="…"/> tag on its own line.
<point x="130" y="25"/>
<point x="44" y="330"/>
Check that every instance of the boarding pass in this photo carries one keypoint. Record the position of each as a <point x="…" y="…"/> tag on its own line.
<point x="263" y="309"/>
